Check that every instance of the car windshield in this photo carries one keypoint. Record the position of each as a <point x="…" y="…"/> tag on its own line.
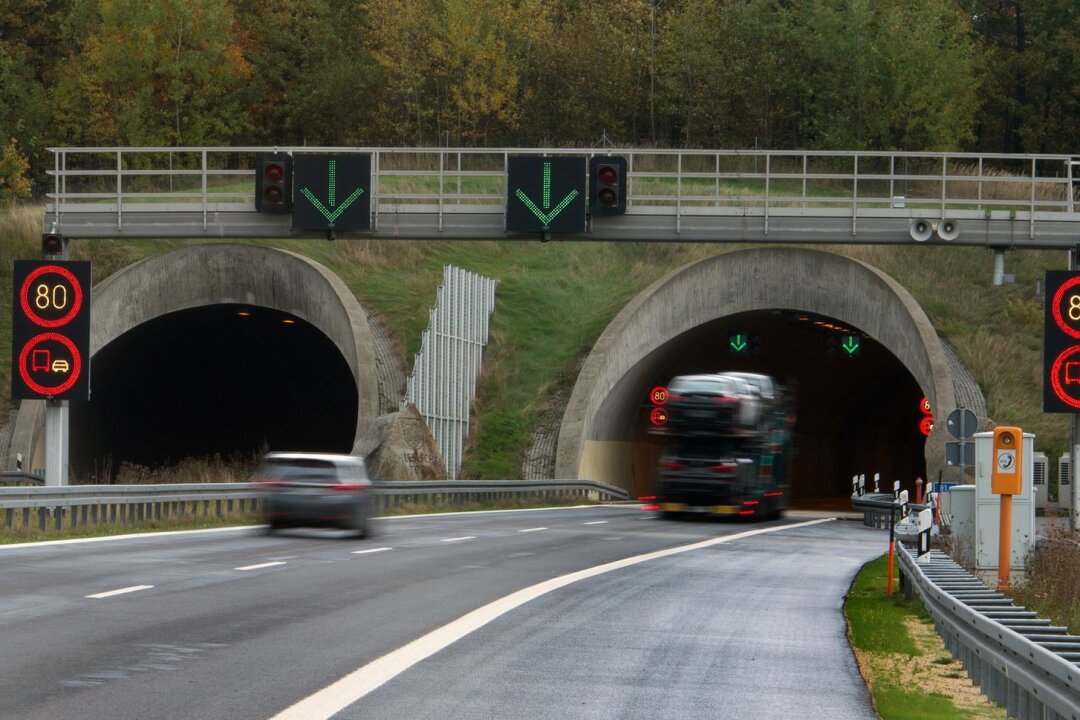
<point x="713" y="386"/>
<point x="299" y="470"/>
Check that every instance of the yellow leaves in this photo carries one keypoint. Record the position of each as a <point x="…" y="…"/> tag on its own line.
<point x="14" y="183"/>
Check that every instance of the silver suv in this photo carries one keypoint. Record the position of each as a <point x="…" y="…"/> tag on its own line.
<point x="315" y="490"/>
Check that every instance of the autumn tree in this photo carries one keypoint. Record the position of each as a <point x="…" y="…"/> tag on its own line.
<point x="161" y="73"/>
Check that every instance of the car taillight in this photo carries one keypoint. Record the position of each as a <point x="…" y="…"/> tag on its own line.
<point x="669" y="465"/>
<point x="723" y="468"/>
<point x="647" y="498"/>
<point x="349" y="487"/>
<point x="724" y="399"/>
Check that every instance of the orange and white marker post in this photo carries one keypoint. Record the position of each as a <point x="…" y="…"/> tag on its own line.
<point x="1006" y="480"/>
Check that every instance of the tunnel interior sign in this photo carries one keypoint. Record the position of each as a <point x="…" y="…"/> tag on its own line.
<point x="1061" y="342"/>
<point x="331" y="192"/>
<point x="545" y="194"/>
<point x="50" y="330"/>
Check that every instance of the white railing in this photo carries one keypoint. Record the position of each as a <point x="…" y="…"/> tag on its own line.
<point x="692" y="195"/>
<point x="443" y="381"/>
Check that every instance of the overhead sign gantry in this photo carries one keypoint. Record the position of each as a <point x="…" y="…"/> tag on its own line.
<point x="996" y="201"/>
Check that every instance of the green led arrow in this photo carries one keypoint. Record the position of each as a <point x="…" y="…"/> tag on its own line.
<point x="738" y="343"/>
<point x="331" y="195"/>
<point x="851" y="344"/>
<point x="546" y="217"/>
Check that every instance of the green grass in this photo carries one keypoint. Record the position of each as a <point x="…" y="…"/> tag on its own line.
<point x="876" y="627"/>
<point x="896" y="703"/>
<point x="876" y="620"/>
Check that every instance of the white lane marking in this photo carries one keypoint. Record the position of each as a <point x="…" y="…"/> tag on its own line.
<point x="597" y="522"/>
<point x="260" y="566"/>
<point x="132" y="536"/>
<point x="393" y="518"/>
<point x="341" y="694"/>
<point x="121" y="591"/>
<point x="460" y="539"/>
<point x="532" y="529"/>
<point x="371" y="550"/>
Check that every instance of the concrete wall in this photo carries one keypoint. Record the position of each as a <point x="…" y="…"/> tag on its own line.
<point x="213" y="274"/>
<point x="742" y="281"/>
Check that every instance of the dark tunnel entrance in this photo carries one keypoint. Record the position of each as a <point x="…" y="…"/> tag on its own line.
<point x="858" y="412"/>
<point x="219" y="380"/>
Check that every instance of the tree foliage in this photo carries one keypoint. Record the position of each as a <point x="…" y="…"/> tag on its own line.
<point x="997" y="75"/>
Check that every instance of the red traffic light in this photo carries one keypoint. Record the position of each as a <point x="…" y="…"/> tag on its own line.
<point x="607" y="183"/>
<point x="273" y="183"/>
<point x="274" y="171"/>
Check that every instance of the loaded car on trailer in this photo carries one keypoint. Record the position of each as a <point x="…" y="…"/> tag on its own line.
<point x="721" y="459"/>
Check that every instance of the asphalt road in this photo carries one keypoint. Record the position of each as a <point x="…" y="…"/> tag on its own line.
<point x="437" y="617"/>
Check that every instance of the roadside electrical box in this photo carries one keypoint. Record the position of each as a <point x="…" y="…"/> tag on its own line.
<point x="1006" y="477"/>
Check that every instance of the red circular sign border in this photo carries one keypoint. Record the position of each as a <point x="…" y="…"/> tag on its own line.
<point x="1056" y="385"/>
<point x="1056" y="307"/>
<point x="76" y="360"/>
<point x="658" y="417"/>
<point x="75" y="286"/>
<point x="652" y="395"/>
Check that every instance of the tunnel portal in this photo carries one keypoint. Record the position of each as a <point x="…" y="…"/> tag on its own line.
<point x="857" y="408"/>
<point x="857" y="412"/>
<point x="227" y="380"/>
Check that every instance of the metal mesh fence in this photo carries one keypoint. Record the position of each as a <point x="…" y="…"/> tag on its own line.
<point x="443" y="380"/>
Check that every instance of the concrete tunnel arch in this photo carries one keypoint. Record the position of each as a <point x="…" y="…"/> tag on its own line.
<point x="594" y="442"/>
<point x="206" y="275"/>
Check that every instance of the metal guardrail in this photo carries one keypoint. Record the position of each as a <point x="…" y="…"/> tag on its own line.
<point x="81" y="505"/>
<point x="1020" y="661"/>
<point x="996" y="200"/>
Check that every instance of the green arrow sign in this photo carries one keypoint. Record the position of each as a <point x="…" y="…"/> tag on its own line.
<point x="332" y="192"/>
<point x="547" y="214"/>
<point x="331" y="213"/>
<point x="545" y="194"/>
<point x="738" y="343"/>
<point x="851" y="344"/>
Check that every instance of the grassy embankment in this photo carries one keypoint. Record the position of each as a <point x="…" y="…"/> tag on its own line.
<point x="910" y="674"/>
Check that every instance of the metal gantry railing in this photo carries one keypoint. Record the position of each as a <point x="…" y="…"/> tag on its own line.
<point x="443" y="380"/>
<point x="999" y="200"/>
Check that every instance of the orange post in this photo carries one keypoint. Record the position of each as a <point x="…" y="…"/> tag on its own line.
<point x="888" y="583"/>
<point x="1005" y="543"/>
<point x="1006" y="480"/>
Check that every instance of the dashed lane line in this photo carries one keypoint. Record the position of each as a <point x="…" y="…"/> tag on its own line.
<point x="121" y="591"/>
<point x="260" y="566"/>
<point x="371" y="550"/>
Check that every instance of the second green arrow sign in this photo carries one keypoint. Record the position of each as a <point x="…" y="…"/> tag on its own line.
<point x="545" y="194"/>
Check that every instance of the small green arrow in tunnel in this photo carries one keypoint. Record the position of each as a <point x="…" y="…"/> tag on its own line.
<point x="851" y="344"/>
